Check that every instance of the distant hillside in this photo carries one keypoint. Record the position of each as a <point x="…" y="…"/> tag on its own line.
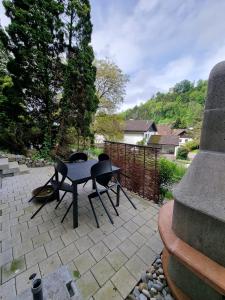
<point x="182" y="106"/>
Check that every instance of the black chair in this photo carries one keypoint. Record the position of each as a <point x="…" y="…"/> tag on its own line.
<point x="77" y="157"/>
<point x="56" y="183"/>
<point x="103" y="156"/>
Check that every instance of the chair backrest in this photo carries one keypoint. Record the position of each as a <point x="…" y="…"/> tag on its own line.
<point x="102" y="172"/>
<point x="61" y="168"/>
<point x="78" y="156"/>
<point x="103" y="156"/>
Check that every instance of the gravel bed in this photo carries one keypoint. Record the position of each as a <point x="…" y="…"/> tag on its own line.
<point x="153" y="284"/>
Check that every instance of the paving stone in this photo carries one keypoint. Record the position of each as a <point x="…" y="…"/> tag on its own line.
<point x="36" y="221"/>
<point x="107" y="228"/>
<point x="146" y="254"/>
<point x="136" y="266"/>
<point x="131" y="226"/>
<point x="5" y="257"/>
<point x="155" y="244"/>
<point x="83" y="229"/>
<point x="22" y="248"/>
<point x="122" y="233"/>
<point x="87" y="285"/>
<point x="30" y="233"/>
<point x="137" y="239"/>
<point x="50" y="264"/>
<point x="123" y="281"/>
<point x="22" y="280"/>
<point x="18" y="228"/>
<point x="139" y="220"/>
<point x="35" y="256"/>
<point x="111" y="241"/>
<point x="146" y="231"/>
<point x="83" y="244"/>
<point x="6" y="244"/>
<point x="97" y="235"/>
<point x="69" y="237"/>
<point x="41" y="239"/>
<point x="57" y="231"/>
<point x="68" y="253"/>
<point x="99" y="251"/>
<point x="84" y="262"/>
<point x="54" y="246"/>
<point x="108" y="291"/>
<point x="8" y="290"/>
<point x="128" y="248"/>
<point x="13" y="268"/>
<point x="45" y="226"/>
<point x="116" y="259"/>
<point x="102" y="271"/>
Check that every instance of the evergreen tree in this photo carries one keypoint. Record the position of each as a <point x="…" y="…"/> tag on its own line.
<point x="79" y="100"/>
<point x="34" y="40"/>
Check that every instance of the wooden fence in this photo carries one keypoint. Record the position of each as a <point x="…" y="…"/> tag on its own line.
<point x="139" y="168"/>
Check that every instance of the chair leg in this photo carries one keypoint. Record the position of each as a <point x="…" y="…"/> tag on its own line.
<point x="110" y="199"/>
<point x="37" y="211"/>
<point x="60" y="200"/>
<point x="128" y="197"/>
<point x="106" y="210"/>
<point x="92" y="207"/>
<point x="85" y="184"/>
<point x="67" y="211"/>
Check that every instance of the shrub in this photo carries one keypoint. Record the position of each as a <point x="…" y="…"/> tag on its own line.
<point x="169" y="173"/>
<point x="191" y="145"/>
<point x="182" y="153"/>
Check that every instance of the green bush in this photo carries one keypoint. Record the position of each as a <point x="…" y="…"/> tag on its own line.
<point x="182" y="153"/>
<point x="94" y="151"/>
<point x="191" y="145"/>
<point x="169" y="173"/>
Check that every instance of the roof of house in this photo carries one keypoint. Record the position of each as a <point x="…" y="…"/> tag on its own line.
<point x="138" y="125"/>
<point x="179" y="131"/>
<point x="164" y="129"/>
<point x="164" y="140"/>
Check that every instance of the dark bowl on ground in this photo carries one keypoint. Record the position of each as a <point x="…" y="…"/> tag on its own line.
<point x="47" y="193"/>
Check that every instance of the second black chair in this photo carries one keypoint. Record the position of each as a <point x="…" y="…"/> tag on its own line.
<point x="78" y="156"/>
<point x="103" y="156"/>
<point x="101" y="173"/>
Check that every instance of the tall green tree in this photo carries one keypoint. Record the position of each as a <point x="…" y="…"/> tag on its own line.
<point x="79" y="101"/>
<point x="110" y="85"/>
<point x="34" y="40"/>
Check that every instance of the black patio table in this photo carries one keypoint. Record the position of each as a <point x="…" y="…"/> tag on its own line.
<point x="80" y="172"/>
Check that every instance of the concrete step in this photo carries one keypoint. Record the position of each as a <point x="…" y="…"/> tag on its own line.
<point x="24" y="169"/>
<point x="13" y="168"/>
<point x="4" y="163"/>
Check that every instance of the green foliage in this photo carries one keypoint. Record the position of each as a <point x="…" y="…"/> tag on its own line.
<point x="181" y="107"/>
<point x="79" y="101"/>
<point x="110" y="126"/>
<point x="95" y="151"/>
<point x="182" y="153"/>
<point x="191" y="145"/>
<point x="110" y="85"/>
<point x="169" y="173"/>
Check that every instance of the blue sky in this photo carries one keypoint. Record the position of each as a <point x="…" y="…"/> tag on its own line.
<point x="157" y="42"/>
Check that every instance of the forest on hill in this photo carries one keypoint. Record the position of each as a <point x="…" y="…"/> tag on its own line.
<point x="182" y="106"/>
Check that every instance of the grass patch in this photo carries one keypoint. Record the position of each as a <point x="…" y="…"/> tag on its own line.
<point x="76" y="274"/>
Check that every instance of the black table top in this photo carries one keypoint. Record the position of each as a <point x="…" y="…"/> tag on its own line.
<point x="81" y="171"/>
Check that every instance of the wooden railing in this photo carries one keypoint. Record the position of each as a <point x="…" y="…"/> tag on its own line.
<point x="139" y="167"/>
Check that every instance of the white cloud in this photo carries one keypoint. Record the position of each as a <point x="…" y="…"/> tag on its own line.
<point x="162" y="42"/>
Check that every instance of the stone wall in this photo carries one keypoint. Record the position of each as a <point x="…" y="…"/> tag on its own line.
<point x="21" y="159"/>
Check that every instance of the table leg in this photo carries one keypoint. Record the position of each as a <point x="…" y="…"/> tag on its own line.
<point x="118" y="191"/>
<point x="75" y="206"/>
<point x="57" y="180"/>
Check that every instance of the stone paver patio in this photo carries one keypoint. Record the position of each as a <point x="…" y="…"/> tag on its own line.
<point x="106" y="262"/>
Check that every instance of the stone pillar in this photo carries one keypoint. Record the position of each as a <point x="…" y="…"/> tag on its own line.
<point x="199" y="206"/>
